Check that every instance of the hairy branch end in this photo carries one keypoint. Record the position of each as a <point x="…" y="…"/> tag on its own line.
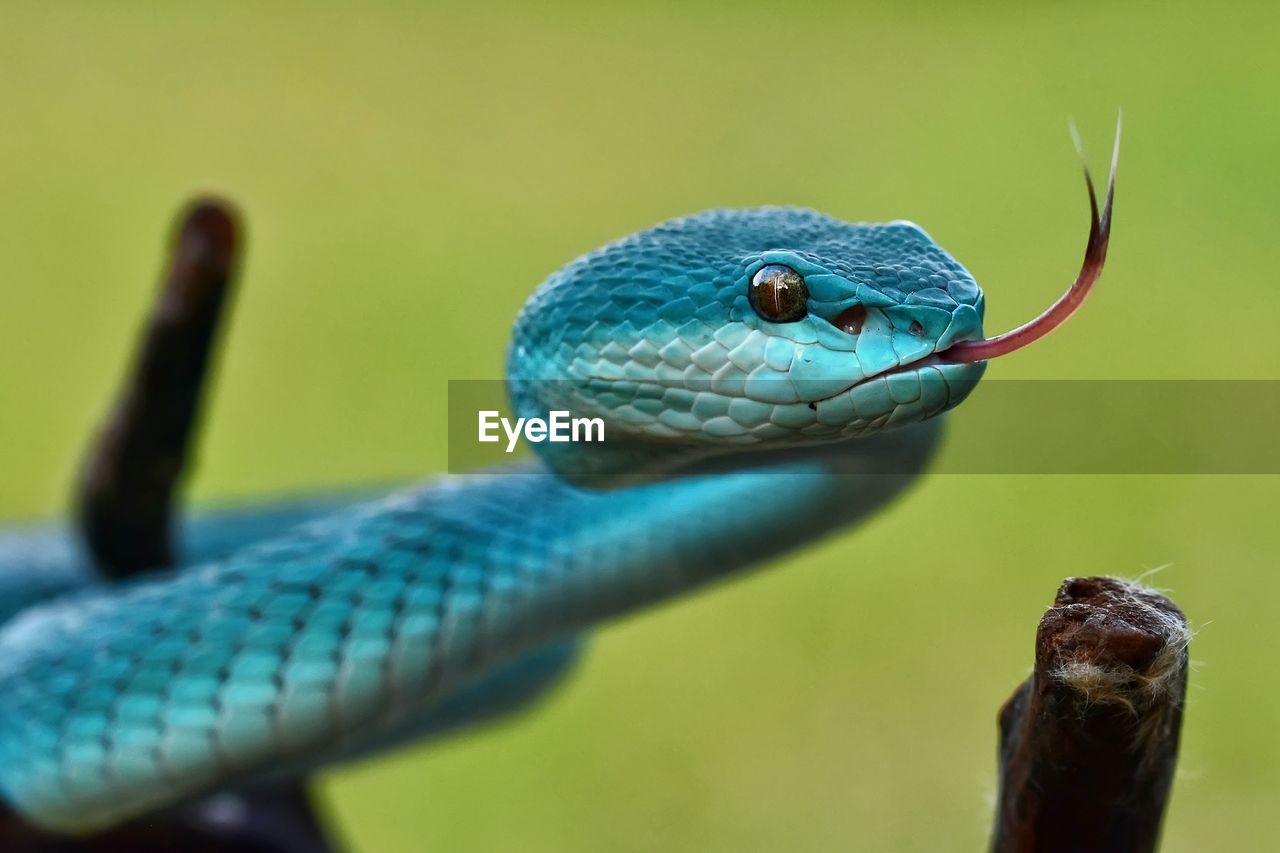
<point x="1089" y="743"/>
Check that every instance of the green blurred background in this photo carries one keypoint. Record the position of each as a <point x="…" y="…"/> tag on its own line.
<point x="409" y="174"/>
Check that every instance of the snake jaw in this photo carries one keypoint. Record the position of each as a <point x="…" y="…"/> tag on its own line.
<point x="1095" y="256"/>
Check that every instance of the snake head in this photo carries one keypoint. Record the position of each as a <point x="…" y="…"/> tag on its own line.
<point x="738" y="331"/>
<point x="757" y="332"/>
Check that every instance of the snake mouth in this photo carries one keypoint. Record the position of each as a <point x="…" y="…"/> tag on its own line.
<point x="930" y="360"/>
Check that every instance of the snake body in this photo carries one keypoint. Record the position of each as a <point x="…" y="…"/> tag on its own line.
<point x="294" y="636"/>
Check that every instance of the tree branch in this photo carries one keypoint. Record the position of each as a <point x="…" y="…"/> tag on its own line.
<point x="1088" y="744"/>
<point x="126" y="493"/>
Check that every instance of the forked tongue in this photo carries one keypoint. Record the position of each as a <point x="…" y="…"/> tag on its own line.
<point x="1095" y="255"/>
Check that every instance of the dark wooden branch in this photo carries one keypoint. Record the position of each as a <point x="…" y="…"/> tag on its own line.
<point x="1088" y="744"/>
<point x="126" y="508"/>
<point x="126" y="494"/>
<point x="271" y="820"/>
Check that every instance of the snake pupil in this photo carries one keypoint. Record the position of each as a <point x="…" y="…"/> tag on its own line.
<point x="778" y="294"/>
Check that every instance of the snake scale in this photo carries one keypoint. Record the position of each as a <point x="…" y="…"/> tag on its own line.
<point x="768" y="375"/>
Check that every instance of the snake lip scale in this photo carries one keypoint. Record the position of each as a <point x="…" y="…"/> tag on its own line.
<point x="917" y="365"/>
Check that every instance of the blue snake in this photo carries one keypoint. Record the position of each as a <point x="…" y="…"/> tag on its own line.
<point x="768" y="376"/>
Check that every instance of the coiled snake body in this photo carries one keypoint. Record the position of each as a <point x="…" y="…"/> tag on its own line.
<point x="768" y="376"/>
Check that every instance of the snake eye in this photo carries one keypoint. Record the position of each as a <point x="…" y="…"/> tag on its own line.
<point x="778" y="294"/>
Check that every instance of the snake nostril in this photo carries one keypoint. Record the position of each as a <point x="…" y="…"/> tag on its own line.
<point x="851" y="320"/>
<point x="916" y="328"/>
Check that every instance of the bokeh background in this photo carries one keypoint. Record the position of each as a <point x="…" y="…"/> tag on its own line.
<point x="410" y="172"/>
